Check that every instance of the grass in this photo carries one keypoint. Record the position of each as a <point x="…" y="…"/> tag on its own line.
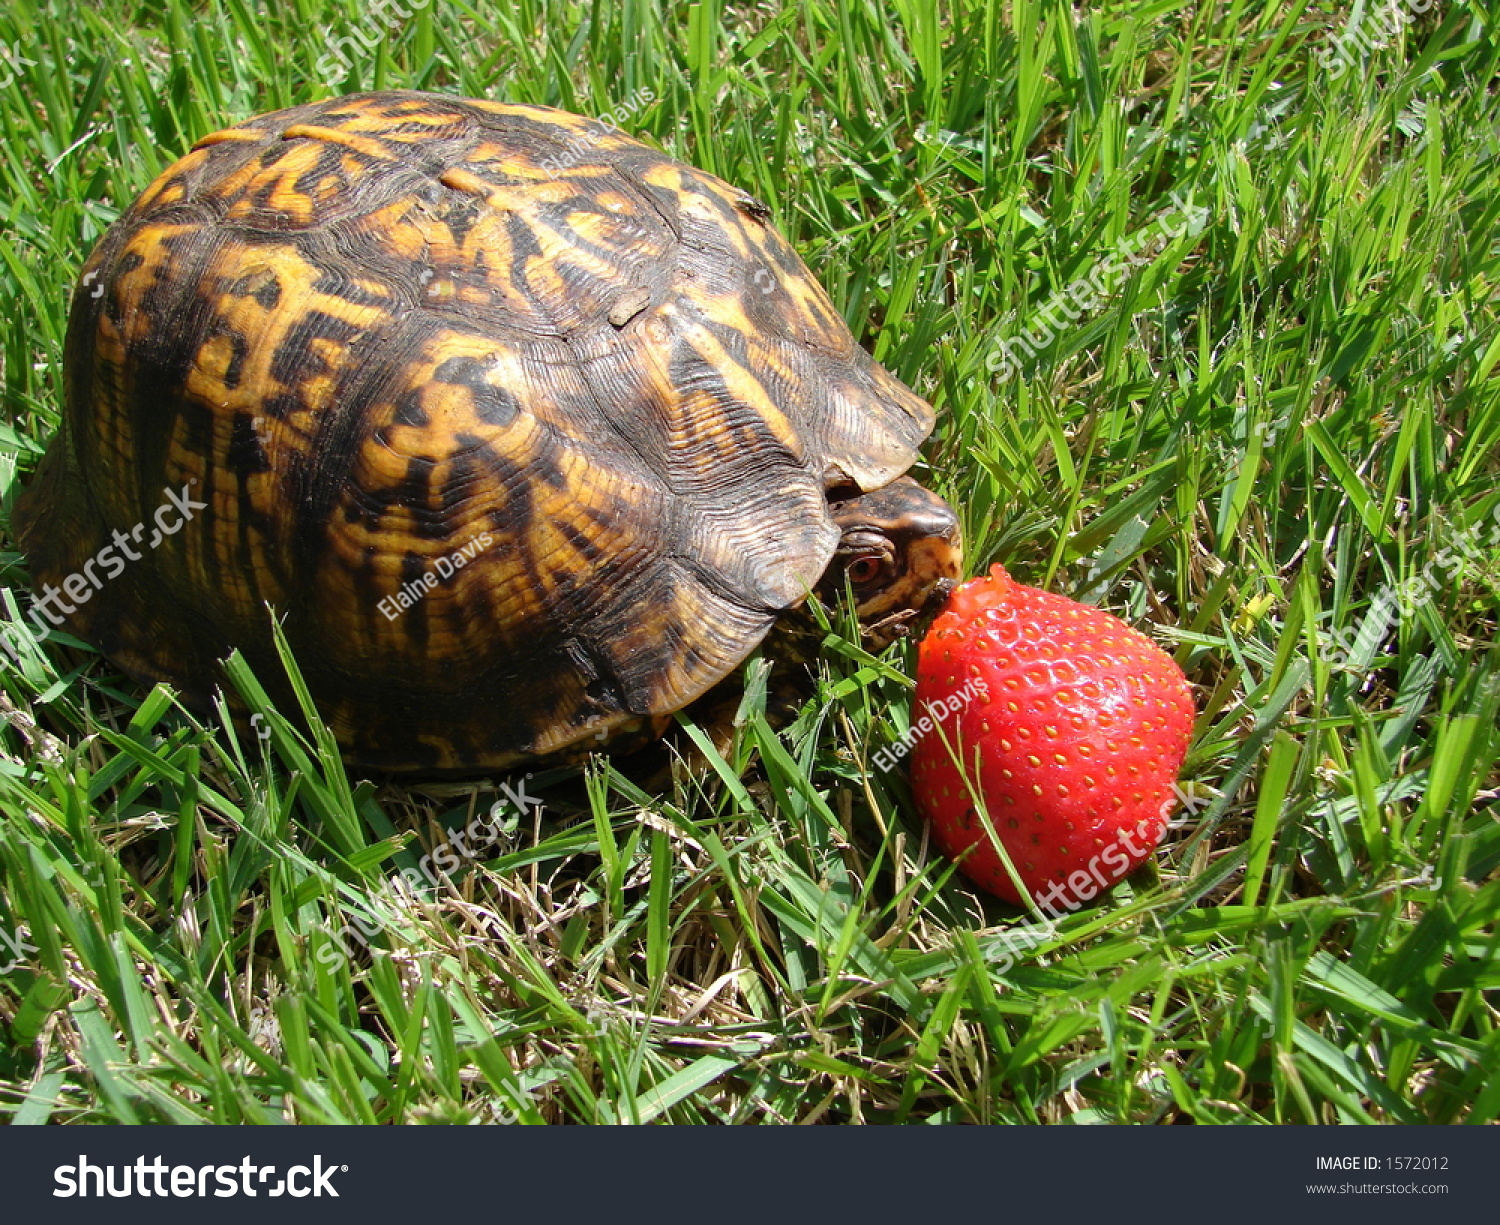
<point x="1258" y="445"/>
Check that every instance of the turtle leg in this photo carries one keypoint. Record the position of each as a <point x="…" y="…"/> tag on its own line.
<point x="721" y="713"/>
<point x="717" y="714"/>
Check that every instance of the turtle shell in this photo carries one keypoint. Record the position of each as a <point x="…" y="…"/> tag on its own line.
<point x="524" y="430"/>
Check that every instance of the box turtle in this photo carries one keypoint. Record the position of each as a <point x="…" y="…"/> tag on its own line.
<point x="527" y="433"/>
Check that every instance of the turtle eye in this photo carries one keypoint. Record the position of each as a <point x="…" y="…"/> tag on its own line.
<point x="865" y="570"/>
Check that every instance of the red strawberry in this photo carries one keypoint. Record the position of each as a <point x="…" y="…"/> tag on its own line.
<point x="1079" y="725"/>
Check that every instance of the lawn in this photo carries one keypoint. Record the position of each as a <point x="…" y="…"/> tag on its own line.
<point x="1270" y="442"/>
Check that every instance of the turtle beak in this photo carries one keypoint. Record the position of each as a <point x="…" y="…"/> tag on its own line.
<point x="934" y="560"/>
<point x="936" y="602"/>
<point x="915" y="537"/>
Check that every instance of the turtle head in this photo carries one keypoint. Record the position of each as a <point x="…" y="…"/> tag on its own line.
<point x="900" y="553"/>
